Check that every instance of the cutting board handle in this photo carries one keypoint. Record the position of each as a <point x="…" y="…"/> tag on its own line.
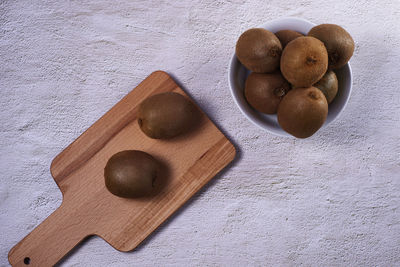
<point x="51" y="240"/>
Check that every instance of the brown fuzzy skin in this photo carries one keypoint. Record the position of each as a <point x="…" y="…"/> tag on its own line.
<point x="286" y="36"/>
<point x="259" y="50"/>
<point x="131" y="174"/>
<point x="303" y="111"/>
<point x="304" y="61"/>
<point x="264" y="91"/>
<point x="166" y="115"/>
<point x="328" y="85"/>
<point x="338" y="42"/>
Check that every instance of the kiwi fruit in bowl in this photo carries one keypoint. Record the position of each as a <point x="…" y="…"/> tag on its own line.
<point x="328" y="85"/>
<point x="286" y="36"/>
<point x="303" y="111"/>
<point x="304" y="61"/>
<point x="264" y="91"/>
<point x="317" y="75"/>
<point x="338" y="42"/>
<point x="259" y="50"/>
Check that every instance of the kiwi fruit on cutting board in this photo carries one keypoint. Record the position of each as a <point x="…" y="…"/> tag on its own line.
<point x="305" y="63"/>
<point x="131" y="174"/>
<point x="166" y="115"/>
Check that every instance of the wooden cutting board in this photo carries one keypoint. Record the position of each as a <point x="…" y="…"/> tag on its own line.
<point x="189" y="162"/>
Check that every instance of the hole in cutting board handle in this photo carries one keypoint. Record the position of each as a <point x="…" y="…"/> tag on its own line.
<point x="27" y="260"/>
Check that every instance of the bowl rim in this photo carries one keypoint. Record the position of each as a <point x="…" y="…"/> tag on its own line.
<point x="249" y="116"/>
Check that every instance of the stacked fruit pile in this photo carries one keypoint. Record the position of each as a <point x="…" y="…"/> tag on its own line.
<point x="292" y="74"/>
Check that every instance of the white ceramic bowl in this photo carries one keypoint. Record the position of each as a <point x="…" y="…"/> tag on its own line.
<point x="238" y="74"/>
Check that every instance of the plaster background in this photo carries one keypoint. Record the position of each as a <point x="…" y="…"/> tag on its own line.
<point x="330" y="200"/>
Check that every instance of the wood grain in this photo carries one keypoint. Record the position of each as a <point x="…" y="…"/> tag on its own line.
<point x="189" y="161"/>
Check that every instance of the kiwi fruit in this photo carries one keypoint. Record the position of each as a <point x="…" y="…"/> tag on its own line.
<point x="286" y="36"/>
<point x="328" y="85"/>
<point x="304" y="61"/>
<point x="338" y="42"/>
<point x="166" y="115"/>
<point x="302" y="111"/>
<point x="131" y="174"/>
<point x="259" y="50"/>
<point x="264" y="91"/>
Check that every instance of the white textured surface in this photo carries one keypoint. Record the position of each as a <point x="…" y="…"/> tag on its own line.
<point x="330" y="200"/>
